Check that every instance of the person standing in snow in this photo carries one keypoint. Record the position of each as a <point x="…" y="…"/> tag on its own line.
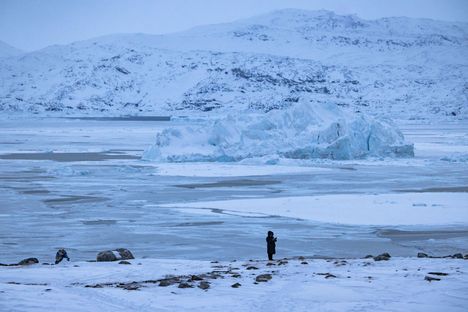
<point x="271" y="245"/>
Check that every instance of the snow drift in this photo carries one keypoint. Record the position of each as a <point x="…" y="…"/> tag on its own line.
<point x="304" y="131"/>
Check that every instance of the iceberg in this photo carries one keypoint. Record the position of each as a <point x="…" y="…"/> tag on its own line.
<point x="305" y="131"/>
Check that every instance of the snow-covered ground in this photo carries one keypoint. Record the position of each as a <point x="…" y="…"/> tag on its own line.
<point x="295" y="285"/>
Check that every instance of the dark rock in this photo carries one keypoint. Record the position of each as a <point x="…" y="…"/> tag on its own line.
<point x="304" y="262"/>
<point x="236" y="275"/>
<point x="168" y="282"/>
<point x="270" y="264"/>
<point x="465" y="257"/>
<point x="114" y="255"/>
<point x="94" y="286"/>
<point x="368" y="257"/>
<point x="130" y="286"/>
<point x="430" y="278"/>
<point x="196" y="278"/>
<point x="60" y="255"/>
<point x="457" y="256"/>
<point x="185" y="285"/>
<point x="28" y="261"/>
<point x="252" y="268"/>
<point x="204" y="285"/>
<point x="385" y="256"/>
<point x="282" y="262"/>
<point x="301" y="258"/>
<point x="124" y="262"/>
<point x="422" y="255"/>
<point x="327" y="275"/>
<point x="438" y="273"/>
<point x="236" y="285"/>
<point x="263" y="278"/>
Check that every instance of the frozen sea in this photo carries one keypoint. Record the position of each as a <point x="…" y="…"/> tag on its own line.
<point x="80" y="184"/>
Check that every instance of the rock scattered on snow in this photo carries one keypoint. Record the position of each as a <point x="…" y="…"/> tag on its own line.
<point x="263" y="278"/>
<point x="385" y="256"/>
<point x="204" y="285"/>
<point x="430" y="278"/>
<point x="114" y="255"/>
<point x="28" y="261"/>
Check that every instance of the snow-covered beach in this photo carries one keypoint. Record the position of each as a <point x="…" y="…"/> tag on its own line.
<point x="299" y="284"/>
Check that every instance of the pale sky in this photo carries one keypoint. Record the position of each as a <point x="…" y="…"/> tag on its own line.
<point x="34" y="24"/>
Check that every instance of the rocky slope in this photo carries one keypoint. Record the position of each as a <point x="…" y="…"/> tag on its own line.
<point x="394" y="67"/>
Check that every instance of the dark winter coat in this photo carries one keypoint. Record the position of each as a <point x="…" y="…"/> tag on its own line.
<point x="271" y="245"/>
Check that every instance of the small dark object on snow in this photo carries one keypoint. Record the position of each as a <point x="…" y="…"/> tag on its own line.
<point x="236" y="275"/>
<point x="252" y="268"/>
<point x="130" y="286"/>
<point x="282" y="262"/>
<point x="196" y="278"/>
<point x="60" y="255"/>
<point x="457" y="256"/>
<point x="263" y="278"/>
<point x="113" y="255"/>
<point x="124" y="262"/>
<point x="271" y="245"/>
<point x="304" y="262"/>
<point x="422" y="255"/>
<point x="430" y="278"/>
<point x="236" y="285"/>
<point x="28" y="261"/>
<point x="185" y="285"/>
<point x="204" y="285"/>
<point x="270" y="264"/>
<point x="168" y="282"/>
<point x="385" y="256"/>
<point x="327" y="275"/>
<point x="94" y="286"/>
<point x="438" y="273"/>
<point x="368" y="257"/>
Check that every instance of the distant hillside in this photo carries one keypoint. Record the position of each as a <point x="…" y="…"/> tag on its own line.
<point x="395" y="67"/>
<point x="7" y="50"/>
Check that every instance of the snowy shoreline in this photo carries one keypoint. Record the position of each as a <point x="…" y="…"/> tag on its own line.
<point x="294" y="284"/>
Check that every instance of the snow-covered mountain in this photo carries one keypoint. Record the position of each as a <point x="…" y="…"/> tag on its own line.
<point x="396" y="67"/>
<point x="7" y="50"/>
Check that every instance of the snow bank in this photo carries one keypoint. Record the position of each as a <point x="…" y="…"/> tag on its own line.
<point x="356" y="285"/>
<point x="304" y="131"/>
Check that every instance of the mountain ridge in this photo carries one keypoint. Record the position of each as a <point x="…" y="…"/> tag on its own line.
<point x="248" y="65"/>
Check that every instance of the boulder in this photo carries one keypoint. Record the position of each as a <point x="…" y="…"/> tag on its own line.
<point x="236" y="285"/>
<point x="204" y="285"/>
<point x="60" y="255"/>
<point x="422" y="255"/>
<point x="263" y="278"/>
<point x="430" y="278"/>
<point x="114" y="255"/>
<point x="124" y="262"/>
<point x="185" y="285"/>
<point x="385" y="256"/>
<point x="457" y="256"/>
<point x="28" y="261"/>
